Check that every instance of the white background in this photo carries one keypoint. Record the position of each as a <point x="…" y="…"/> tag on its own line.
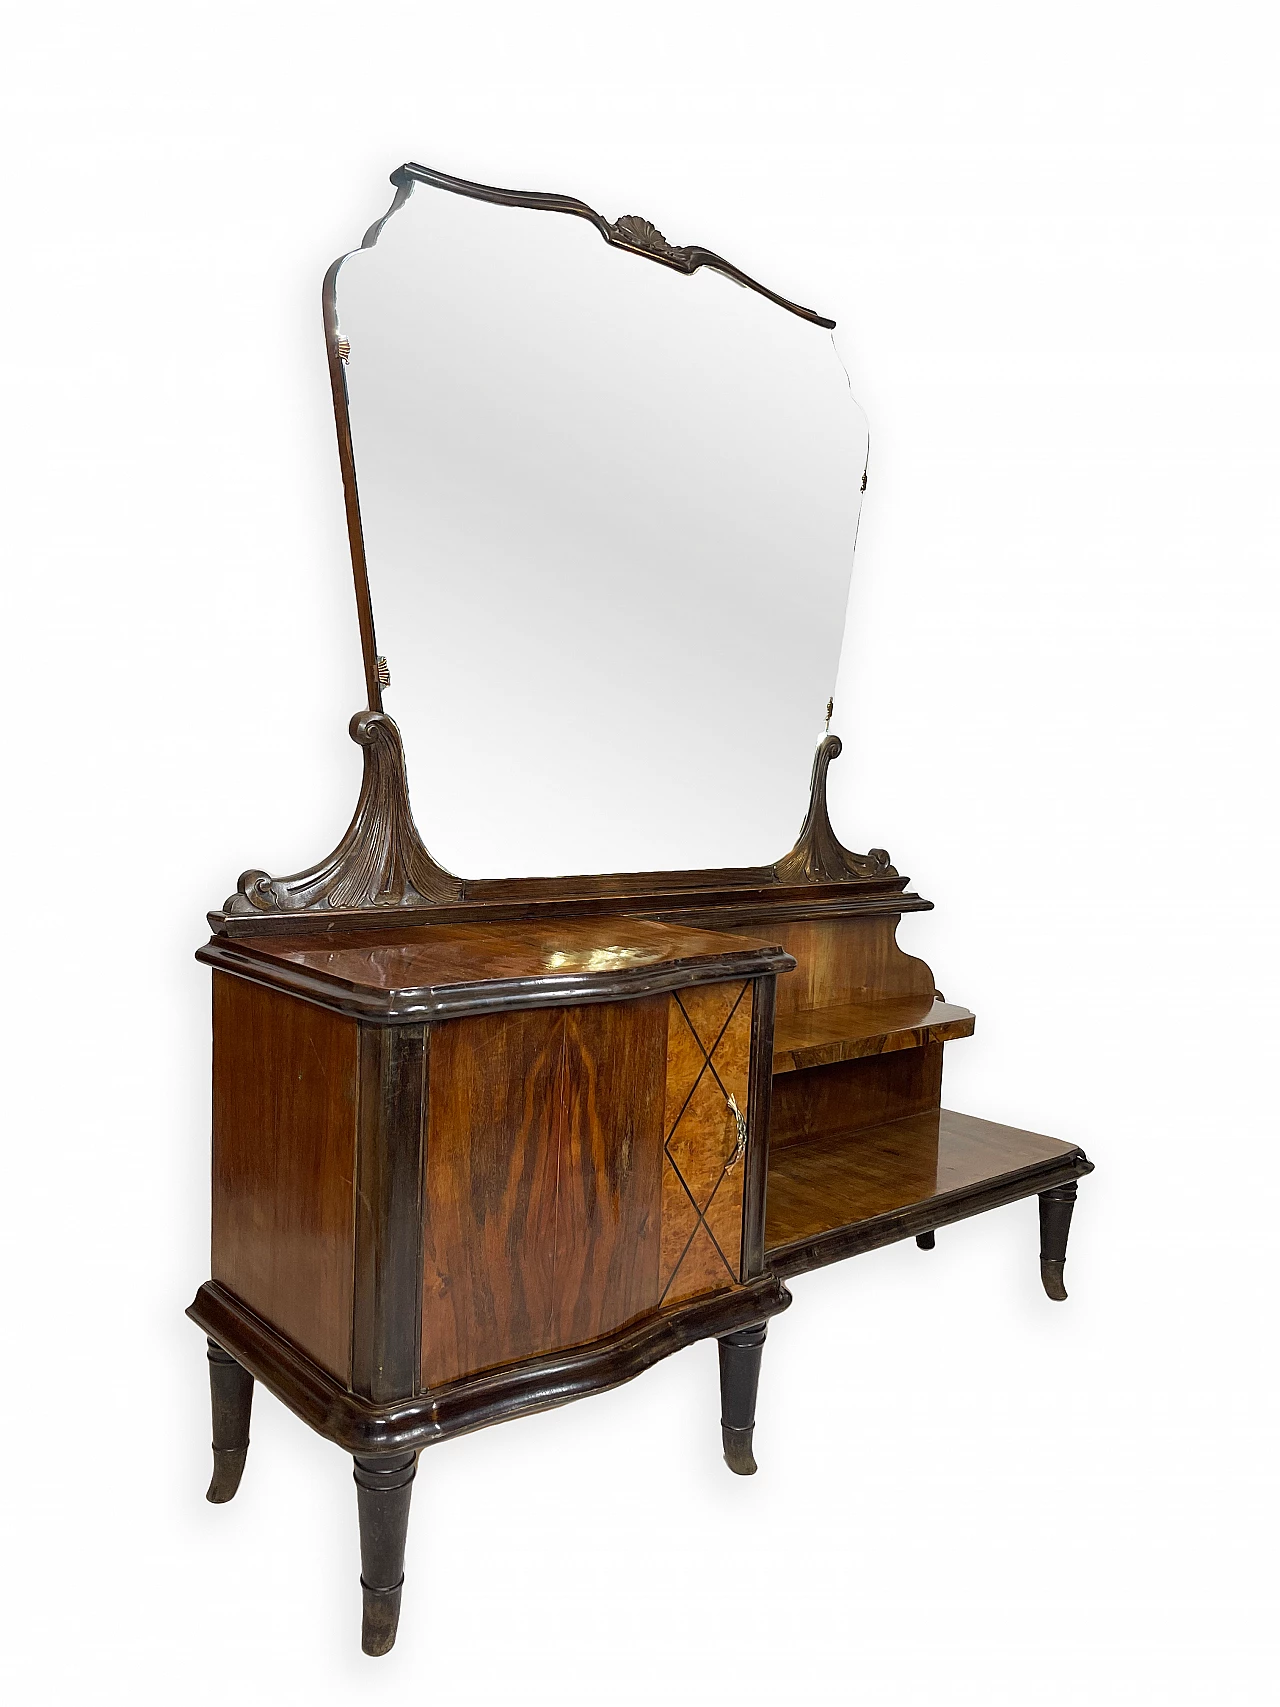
<point x="1049" y="238"/>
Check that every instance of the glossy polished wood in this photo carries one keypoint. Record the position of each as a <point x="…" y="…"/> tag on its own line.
<point x="389" y="1211"/>
<point x="561" y="1200"/>
<point x="608" y="1223"/>
<point x="493" y="1131"/>
<point x="285" y="1097"/>
<point x="443" y="971"/>
<point x="543" y="1182"/>
<point x="847" y="960"/>
<point x="819" y="1037"/>
<point x="908" y="1176"/>
<point x="708" y="1063"/>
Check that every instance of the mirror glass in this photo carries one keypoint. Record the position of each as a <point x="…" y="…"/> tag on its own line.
<point x="609" y="512"/>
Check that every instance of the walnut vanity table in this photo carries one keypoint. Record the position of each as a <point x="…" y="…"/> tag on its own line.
<point x="485" y="1145"/>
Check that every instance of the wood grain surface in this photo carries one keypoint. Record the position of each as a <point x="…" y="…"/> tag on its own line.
<point x="853" y="1177"/>
<point x="608" y="1224"/>
<point x="821" y="1036"/>
<point x="285" y="1095"/>
<point x="554" y="1213"/>
<point x="820" y="1102"/>
<point x="708" y="1062"/>
<point x="492" y="1153"/>
<point x="845" y="960"/>
<point x="454" y="956"/>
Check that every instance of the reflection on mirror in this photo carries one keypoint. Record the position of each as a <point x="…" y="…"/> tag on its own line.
<point x="609" y="512"/>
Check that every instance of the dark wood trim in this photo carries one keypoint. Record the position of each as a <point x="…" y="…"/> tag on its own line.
<point x="380" y="863"/>
<point x="384" y="1487"/>
<point x="1056" y="1205"/>
<point x="386" y="1325"/>
<point x="358" y="1425"/>
<point x="569" y="989"/>
<point x="636" y="235"/>
<point x="740" y="1355"/>
<point x="231" y="1393"/>
<point x="759" y="1103"/>
<point x="721" y="905"/>
<point x="346" y="455"/>
<point x="819" y="856"/>
<point x="924" y="1217"/>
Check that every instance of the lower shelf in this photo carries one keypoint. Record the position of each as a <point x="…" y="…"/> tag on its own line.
<point x="833" y="1197"/>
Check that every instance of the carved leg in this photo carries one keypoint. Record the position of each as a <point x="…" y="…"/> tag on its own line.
<point x="739" y="1378"/>
<point x="1055" y="1223"/>
<point x="925" y="1241"/>
<point x="231" y="1389"/>
<point x="383" y="1487"/>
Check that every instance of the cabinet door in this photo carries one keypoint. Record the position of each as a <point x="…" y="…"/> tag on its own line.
<point x="582" y="1168"/>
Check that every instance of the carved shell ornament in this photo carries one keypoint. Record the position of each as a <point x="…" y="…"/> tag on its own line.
<point x="643" y="234"/>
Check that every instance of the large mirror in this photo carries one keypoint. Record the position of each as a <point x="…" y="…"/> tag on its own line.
<point x="608" y="510"/>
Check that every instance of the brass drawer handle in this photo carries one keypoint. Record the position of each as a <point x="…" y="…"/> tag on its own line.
<point x="741" y="1121"/>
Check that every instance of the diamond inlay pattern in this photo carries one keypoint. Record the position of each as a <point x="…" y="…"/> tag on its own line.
<point x="708" y="1061"/>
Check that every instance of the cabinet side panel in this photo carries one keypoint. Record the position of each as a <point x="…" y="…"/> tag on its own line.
<point x="493" y="1123"/>
<point x="284" y="1149"/>
<point x="820" y="1102"/>
<point x="609" y="1222"/>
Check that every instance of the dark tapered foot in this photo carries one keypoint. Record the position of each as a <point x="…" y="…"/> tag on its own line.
<point x="739" y="1378"/>
<point x="231" y="1389"/>
<point x="1055" y="1223"/>
<point x="925" y="1241"/>
<point x="383" y="1487"/>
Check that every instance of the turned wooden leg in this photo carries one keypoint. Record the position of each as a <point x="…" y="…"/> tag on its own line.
<point x="231" y="1389"/>
<point x="925" y="1241"/>
<point x="1055" y="1223"/>
<point x="739" y="1378"/>
<point x="383" y="1487"/>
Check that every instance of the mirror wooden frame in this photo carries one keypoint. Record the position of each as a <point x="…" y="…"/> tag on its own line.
<point x="382" y="862"/>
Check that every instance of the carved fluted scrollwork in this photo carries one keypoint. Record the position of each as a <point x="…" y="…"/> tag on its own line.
<point x="639" y="233"/>
<point x="380" y="862"/>
<point x="819" y="856"/>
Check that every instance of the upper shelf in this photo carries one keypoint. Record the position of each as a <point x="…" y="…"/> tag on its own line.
<point x="822" y="1035"/>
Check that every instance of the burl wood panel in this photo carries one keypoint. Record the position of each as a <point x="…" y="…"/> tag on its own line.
<point x="845" y="960"/>
<point x="285" y="1095"/>
<point x="823" y="1036"/>
<point x="543" y="1181"/>
<point x="708" y="1061"/>
<point x="817" y="1102"/>
<point x="851" y="1177"/>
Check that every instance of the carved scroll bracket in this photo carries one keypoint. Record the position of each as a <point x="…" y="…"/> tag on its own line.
<point x="380" y="861"/>
<point x="819" y="856"/>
